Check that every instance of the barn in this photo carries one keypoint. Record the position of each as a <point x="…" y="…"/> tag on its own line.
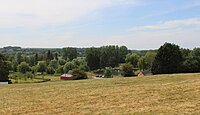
<point x="66" y="77"/>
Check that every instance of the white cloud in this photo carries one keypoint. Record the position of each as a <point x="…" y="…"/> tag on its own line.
<point x="173" y="24"/>
<point x="34" y="13"/>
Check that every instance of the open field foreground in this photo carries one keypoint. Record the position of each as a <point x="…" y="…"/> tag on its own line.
<point x="163" y="94"/>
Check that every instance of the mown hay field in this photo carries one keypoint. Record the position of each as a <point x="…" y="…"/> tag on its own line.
<point x="161" y="94"/>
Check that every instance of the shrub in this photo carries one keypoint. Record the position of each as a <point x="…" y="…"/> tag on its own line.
<point x="29" y="75"/>
<point x="78" y="74"/>
<point x="127" y="70"/>
<point x="108" y="73"/>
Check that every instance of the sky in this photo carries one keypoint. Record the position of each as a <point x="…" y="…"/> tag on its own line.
<point x="137" y="24"/>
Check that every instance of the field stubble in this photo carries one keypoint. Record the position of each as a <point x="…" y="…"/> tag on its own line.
<point x="162" y="94"/>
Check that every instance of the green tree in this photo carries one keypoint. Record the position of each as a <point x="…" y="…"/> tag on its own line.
<point x="168" y="59"/>
<point x="79" y="61"/>
<point x="142" y="63"/>
<point x="34" y="69"/>
<point x="78" y="74"/>
<point x="36" y="58"/>
<point x="185" y="53"/>
<point x="61" y="62"/>
<point x="23" y="67"/>
<point x="69" y="53"/>
<point x="93" y="58"/>
<point x="18" y="58"/>
<point x="109" y="56"/>
<point x="56" y="55"/>
<point x="127" y="70"/>
<point x="10" y="67"/>
<point x="4" y="69"/>
<point x="32" y="61"/>
<point x="68" y="66"/>
<point x="108" y="73"/>
<point x="149" y="58"/>
<point x="41" y="66"/>
<point x="191" y="64"/>
<point x="191" y="60"/>
<point x="14" y="66"/>
<point x="123" y="50"/>
<point x="50" y="70"/>
<point x="59" y="70"/>
<point x="53" y="64"/>
<point x="49" y="56"/>
<point x="133" y="59"/>
<point x="195" y="52"/>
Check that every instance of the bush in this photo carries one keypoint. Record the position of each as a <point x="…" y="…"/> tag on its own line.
<point x="78" y="74"/>
<point x="18" y="75"/>
<point x="23" y="67"/>
<point x="108" y="73"/>
<point x="29" y="75"/>
<point x="127" y="70"/>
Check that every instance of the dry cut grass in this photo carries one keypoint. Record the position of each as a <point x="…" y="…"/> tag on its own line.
<point x="162" y="94"/>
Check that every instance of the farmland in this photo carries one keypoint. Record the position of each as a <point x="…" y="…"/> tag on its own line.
<point x="166" y="94"/>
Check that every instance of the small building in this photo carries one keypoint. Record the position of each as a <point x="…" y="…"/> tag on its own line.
<point x="66" y="77"/>
<point x="144" y="73"/>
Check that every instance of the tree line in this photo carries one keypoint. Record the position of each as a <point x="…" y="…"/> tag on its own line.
<point x="169" y="58"/>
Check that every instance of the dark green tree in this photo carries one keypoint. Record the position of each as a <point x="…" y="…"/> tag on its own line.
<point x="18" y="58"/>
<point x="50" y="70"/>
<point x="49" y="56"/>
<point x="191" y="64"/>
<point x="23" y="67"/>
<point x="93" y="58"/>
<point x="36" y="58"/>
<point x="168" y="60"/>
<point x="61" y="62"/>
<point x="4" y="69"/>
<point x="123" y="50"/>
<point x="41" y="66"/>
<point x="69" y="53"/>
<point x="133" y="59"/>
<point x="68" y="66"/>
<point x="185" y="53"/>
<point x="109" y="56"/>
<point x="53" y="64"/>
<point x="56" y="55"/>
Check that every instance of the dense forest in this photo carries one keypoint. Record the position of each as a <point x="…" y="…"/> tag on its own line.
<point x="108" y="60"/>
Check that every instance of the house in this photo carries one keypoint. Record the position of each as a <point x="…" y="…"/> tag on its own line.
<point x="144" y="73"/>
<point x="66" y="77"/>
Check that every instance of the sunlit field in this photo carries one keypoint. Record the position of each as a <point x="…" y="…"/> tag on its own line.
<point x="162" y="94"/>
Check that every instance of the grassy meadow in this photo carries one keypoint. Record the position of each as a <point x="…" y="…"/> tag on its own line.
<point x="161" y="94"/>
